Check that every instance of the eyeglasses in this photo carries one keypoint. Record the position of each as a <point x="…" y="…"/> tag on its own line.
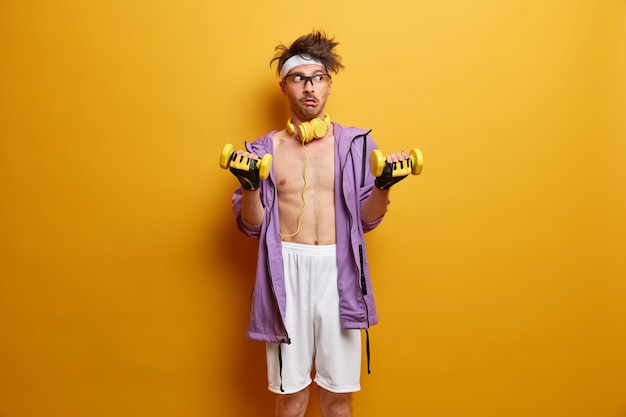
<point x="299" y="79"/>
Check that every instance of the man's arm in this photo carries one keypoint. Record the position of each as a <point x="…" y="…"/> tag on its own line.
<point x="247" y="198"/>
<point x="251" y="207"/>
<point x="376" y="204"/>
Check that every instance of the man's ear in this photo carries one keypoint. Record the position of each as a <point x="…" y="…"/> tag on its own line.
<point x="282" y="87"/>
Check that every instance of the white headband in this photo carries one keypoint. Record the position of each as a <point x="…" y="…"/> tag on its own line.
<point x="296" y="60"/>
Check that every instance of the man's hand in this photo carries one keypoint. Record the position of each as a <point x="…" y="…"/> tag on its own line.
<point x="395" y="167"/>
<point x="247" y="167"/>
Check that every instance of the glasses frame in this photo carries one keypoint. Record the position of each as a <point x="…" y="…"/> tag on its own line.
<point x="306" y="78"/>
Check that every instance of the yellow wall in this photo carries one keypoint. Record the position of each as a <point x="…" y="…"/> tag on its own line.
<point x="499" y="272"/>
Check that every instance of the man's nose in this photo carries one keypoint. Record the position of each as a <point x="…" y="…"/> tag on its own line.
<point x="306" y="83"/>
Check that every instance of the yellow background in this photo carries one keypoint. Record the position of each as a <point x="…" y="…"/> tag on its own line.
<point x="499" y="272"/>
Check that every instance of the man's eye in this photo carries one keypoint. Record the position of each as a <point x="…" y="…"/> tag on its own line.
<point x="297" y="78"/>
<point x="318" y="78"/>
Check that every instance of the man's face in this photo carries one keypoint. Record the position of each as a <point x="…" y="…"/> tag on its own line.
<point x="307" y="88"/>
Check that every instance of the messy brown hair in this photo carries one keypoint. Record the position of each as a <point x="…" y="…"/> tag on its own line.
<point x="317" y="45"/>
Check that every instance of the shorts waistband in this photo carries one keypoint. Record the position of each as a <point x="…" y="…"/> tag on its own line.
<point x="305" y="249"/>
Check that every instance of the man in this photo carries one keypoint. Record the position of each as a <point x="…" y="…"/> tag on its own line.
<point x="312" y="292"/>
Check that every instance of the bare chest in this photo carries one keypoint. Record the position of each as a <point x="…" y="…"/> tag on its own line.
<point x="310" y="166"/>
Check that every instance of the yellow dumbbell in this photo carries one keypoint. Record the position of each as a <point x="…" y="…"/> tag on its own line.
<point x="378" y="162"/>
<point x="264" y="164"/>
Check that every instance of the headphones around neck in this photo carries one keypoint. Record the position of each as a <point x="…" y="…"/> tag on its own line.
<point x="307" y="131"/>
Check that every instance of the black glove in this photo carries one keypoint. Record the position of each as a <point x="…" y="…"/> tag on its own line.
<point x="393" y="172"/>
<point x="246" y="170"/>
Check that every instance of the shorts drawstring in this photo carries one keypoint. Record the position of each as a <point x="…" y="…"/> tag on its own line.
<point x="367" y="349"/>
<point x="280" y="367"/>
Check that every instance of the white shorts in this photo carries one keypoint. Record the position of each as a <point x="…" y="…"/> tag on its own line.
<point x="313" y="325"/>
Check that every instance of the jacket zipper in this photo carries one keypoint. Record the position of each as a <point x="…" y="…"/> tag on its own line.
<point x="364" y="164"/>
<point x="363" y="286"/>
<point x="367" y="313"/>
<point x="269" y="270"/>
<point x="362" y="263"/>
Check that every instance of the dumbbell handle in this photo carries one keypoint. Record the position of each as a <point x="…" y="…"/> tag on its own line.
<point x="378" y="162"/>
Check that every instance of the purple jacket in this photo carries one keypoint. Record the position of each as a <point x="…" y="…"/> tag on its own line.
<point x="353" y="184"/>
